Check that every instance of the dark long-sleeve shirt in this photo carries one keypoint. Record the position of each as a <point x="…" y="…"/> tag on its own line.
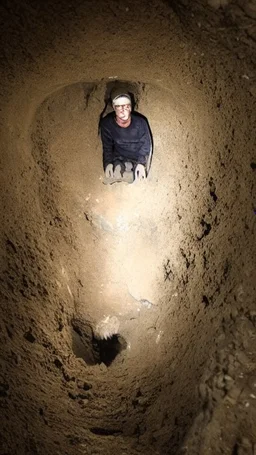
<point x="131" y="143"/>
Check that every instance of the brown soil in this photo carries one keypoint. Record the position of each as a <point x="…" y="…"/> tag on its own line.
<point x="128" y="311"/>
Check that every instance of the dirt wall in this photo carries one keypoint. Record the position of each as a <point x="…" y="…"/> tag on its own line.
<point x="164" y="262"/>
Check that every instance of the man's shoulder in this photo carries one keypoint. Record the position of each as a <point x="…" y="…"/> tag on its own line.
<point x="138" y="118"/>
<point x="107" y="120"/>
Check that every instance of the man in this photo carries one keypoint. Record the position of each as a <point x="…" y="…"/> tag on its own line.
<point x="126" y="140"/>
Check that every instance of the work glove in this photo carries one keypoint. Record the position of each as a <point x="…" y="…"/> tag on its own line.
<point x="109" y="173"/>
<point x="117" y="172"/>
<point x="140" y="173"/>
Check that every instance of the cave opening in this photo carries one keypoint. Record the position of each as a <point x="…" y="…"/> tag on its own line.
<point x="95" y="350"/>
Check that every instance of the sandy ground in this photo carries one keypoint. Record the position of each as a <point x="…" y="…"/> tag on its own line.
<point x="165" y="269"/>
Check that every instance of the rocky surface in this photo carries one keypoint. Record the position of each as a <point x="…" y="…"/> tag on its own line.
<point x="226" y="423"/>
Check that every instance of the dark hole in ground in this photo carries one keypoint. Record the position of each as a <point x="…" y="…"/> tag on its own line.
<point x="94" y="351"/>
<point x="110" y="348"/>
<point x="105" y="431"/>
<point x="205" y="300"/>
<point x="29" y="337"/>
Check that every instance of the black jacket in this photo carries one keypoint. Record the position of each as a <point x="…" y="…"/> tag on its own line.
<point x="132" y="143"/>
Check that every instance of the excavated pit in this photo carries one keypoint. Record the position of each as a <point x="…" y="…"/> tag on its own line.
<point x="127" y="311"/>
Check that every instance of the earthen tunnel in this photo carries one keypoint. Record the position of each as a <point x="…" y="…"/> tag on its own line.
<point x="122" y="305"/>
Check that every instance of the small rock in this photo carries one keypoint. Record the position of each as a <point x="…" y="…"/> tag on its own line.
<point x="250" y="9"/>
<point x="228" y="382"/>
<point x="234" y="393"/>
<point x="18" y="359"/>
<point x="83" y="385"/>
<point x="228" y="378"/>
<point x="214" y="4"/>
<point x="207" y="414"/>
<point x="245" y="327"/>
<point x="231" y="370"/>
<point x="234" y="313"/>
<point x="246" y="343"/>
<point x="252" y="313"/>
<point x="230" y="400"/>
<point x="252" y="383"/>
<point x="221" y="356"/>
<point x="219" y="381"/>
<point x="232" y="345"/>
<point x="103" y="368"/>
<point x="240" y="55"/>
<point x="231" y="359"/>
<point x="221" y="338"/>
<point x="146" y="303"/>
<point x="142" y="401"/>
<point x="245" y="443"/>
<point x="218" y="395"/>
<point x="242" y="358"/>
<point x="203" y="391"/>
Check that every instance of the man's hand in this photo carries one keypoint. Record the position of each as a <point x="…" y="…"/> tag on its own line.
<point x="109" y="173"/>
<point x="140" y="173"/>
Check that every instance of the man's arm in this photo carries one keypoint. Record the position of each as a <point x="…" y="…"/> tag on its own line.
<point x="145" y="144"/>
<point x="108" y="145"/>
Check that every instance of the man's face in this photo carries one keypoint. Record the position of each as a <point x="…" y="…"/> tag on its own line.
<point x="123" y="111"/>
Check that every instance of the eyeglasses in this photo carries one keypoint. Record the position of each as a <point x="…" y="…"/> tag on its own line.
<point x="119" y="107"/>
